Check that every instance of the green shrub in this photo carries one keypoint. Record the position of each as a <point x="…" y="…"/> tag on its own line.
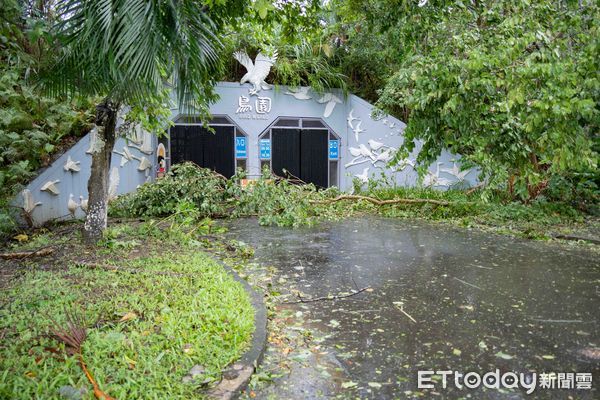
<point x="274" y="201"/>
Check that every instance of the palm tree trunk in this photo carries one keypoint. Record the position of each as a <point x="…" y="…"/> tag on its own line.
<point x="97" y="213"/>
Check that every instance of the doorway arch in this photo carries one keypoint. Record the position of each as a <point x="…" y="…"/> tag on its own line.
<point x="222" y="151"/>
<point x="301" y="148"/>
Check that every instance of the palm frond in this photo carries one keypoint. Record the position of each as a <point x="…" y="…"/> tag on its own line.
<point x="127" y="49"/>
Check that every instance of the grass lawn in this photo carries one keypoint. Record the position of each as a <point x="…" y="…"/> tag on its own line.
<point x="166" y="308"/>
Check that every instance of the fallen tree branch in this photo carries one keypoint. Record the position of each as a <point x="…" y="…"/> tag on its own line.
<point x="44" y="251"/>
<point x="336" y="297"/>
<point x="378" y="202"/>
<point x="475" y="188"/>
<point x="575" y="238"/>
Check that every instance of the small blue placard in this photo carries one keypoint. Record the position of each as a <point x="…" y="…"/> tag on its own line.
<point x="265" y="149"/>
<point x="240" y="147"/>
<point x="334" y="149"/>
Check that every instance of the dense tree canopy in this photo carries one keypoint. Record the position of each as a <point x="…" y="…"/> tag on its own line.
<point x="511" y="85"/>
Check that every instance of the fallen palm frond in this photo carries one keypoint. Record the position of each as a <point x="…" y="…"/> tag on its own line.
<point x="73" y="334"/>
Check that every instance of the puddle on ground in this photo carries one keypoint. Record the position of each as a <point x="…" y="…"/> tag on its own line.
<point x="439" y="298"/>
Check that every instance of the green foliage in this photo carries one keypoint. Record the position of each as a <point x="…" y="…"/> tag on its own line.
<point x="189" y="193"/>
<point x="32" y="127"/>
<point x="188" y="188"/>
<point x="146" y="329"/>
<point x="126" y="50"/>
<point x="185" y="183"/>
<point x="510" y="85"/>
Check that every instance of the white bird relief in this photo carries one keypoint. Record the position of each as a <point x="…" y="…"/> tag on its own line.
<point x="113" y="185"/>
<point x="375" y="145"/>
<point x="299" y="94"/>
<point x="257" y="71"/>
<point x="331" y="100"/>
<point x="357" y="130"/>
<point x="83" y="204"/>
<point x="28" y="204"/>
<point x="455" y="171"/>
<point x="145" y="165"/>
<point x="351" y="118"/>
<point x="71" y="165"/>
<point x="365" y="152"/>
<point x="136" y="134"/>
<point x="402" y="164"/>
<point x="72" y="205"/>
<point x="363" y="176"/>
<point x="50" y="187"/>
<point x="433" y="179"/>
<point x="146" y="146"/>
<point x="385" y="156"/>
<point x="96" y="142"/>
<point x="126" y="156"/>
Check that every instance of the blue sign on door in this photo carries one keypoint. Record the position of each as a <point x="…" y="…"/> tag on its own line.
<point x="334" y="149"/>
<point x="240" y="147"/>
<point x="265" y="149"/>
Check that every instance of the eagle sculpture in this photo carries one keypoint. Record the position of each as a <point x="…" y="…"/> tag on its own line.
<point x="257" y="71"/>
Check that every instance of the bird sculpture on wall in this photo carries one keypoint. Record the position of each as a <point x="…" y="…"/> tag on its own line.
<point x="144" y="165"/>
<point x="357" y="130"/>
<point x="456" y="172"/>
<point x="363" y="176"/>
<point x="365" y="152"/>
<point x="257" y="71"/>
<point x="330" y="100"/>
<point x="300" y="94"/>
<point x="28" y="203"/>
<point x="402" y="164"/>
<point x="72" y="206"/>
<point x="83" y="203"/>
<point x="71" y="165"/>
<point x="384" y="156"/>
<point x="146" y="146"/>
<point x="96" y="142"/>
<point x="351" y="118"/>
<point x="51" y="187"/>
<point x="433" y="179"/>
<point x="375" y="145"/>
<point x="113" y="185"/>
<point x="126" y="156"/>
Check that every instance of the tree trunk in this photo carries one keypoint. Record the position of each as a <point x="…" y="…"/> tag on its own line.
<point x="97" y="213"/>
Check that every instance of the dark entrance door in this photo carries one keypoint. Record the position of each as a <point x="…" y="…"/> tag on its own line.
<point x="207" y="149"/>
<point x="301" y="152"/>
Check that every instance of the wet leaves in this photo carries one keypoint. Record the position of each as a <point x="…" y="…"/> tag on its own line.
<point x="504" y="356"/>
<point x="334" y="323"/>
<point x="128" y="316"/>
<point x="349" y="384"/>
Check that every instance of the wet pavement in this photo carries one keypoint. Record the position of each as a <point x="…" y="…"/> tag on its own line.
<point x="437" y="298"/>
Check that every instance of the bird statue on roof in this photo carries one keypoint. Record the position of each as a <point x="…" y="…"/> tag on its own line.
<point x="257" y="71"/>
